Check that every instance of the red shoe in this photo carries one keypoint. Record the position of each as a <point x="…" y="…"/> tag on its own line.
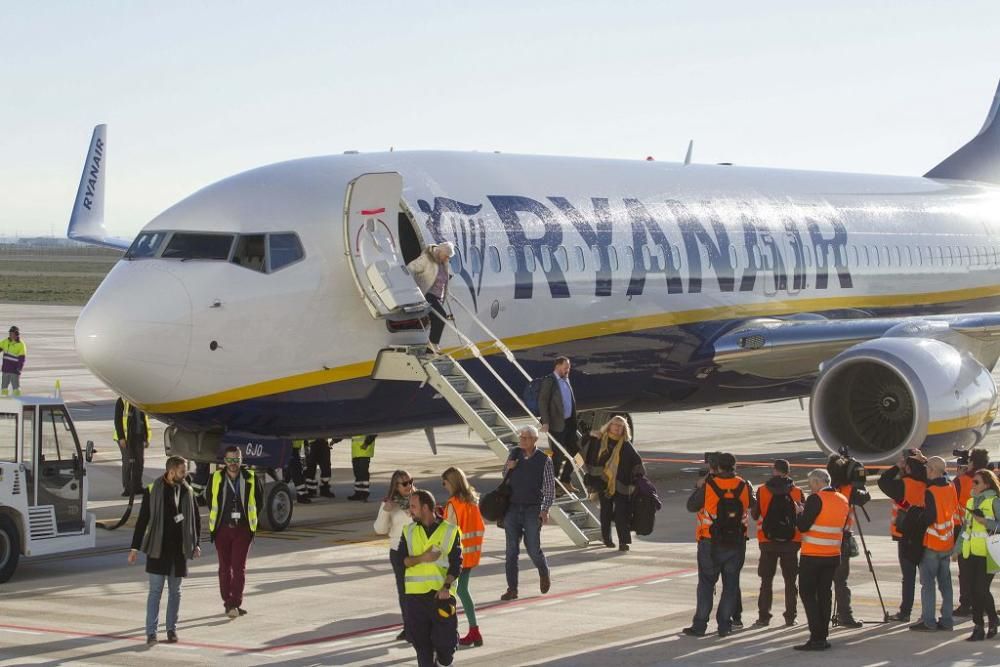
<point x="473" y="638"/>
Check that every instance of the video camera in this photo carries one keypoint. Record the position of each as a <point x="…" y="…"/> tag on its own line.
<point x="962" y="455"/>
<point x="854" y="471"/>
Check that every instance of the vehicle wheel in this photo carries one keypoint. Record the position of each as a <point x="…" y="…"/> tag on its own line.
<point x="277" y="512"/>
<point x="10" y="548"/>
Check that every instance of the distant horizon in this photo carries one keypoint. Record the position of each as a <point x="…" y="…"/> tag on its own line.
<point x="195" y="93"/>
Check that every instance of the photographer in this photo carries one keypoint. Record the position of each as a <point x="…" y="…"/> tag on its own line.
<point x="969" y="462"/>
<point x="905" y="484"/>
<point x="721" y="501"/>
<point x="847" y="477"/>
<point x="779" y="540"/>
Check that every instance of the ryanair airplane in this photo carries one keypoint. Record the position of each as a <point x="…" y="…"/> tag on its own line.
<point x="260" y="303"/>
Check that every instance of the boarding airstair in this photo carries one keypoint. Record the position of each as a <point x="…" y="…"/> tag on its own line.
<point x="472" y="404"/>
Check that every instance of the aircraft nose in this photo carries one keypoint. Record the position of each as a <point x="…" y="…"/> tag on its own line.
<point x="135" y="332"/>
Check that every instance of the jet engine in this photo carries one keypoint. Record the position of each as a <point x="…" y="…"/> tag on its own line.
<point x="886" y="395"/>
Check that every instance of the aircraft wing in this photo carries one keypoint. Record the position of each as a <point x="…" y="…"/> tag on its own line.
<point x="86" y="223"/>
<point x="796" y="348"/>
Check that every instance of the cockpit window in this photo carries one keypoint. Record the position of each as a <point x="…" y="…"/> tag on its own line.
<point x="283" y="249"/>
<point x="250" y="252"/>
<point x="185" y="245"/>
<point x="147" y="244"/>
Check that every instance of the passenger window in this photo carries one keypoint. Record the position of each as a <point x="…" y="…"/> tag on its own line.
<point x="250" y="252"/>
<point x="855" y="260"/>
<point x="613" y="256"/>
<point x="512" y="251"/>
<point x="896" y="257"/>
<point x="562" y="258"/>
<point x="145" y="245"/>
<point x="495" y="259"/>
<point x="733" y="259"/>
<point x="475" y="262"/>
<point x="8" y="437"/>
<point x="660" y="258"/>
<point x="677" y="258"/>
<point x="529" y="258"/>
<point x="283" y="249"/>
<point x="546" y="259"/>
<point x="184" y="245"/>
<point x="581" y="259"/>
<point x="628" y="258"/>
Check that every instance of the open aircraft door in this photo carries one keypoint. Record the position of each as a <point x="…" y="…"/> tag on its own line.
<point x="371" y="209"/>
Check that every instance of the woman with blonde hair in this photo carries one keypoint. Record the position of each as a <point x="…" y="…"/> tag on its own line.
<point x="612" y="466"/>
<point x="463" y="511"/>
<point x="393" y="515"/>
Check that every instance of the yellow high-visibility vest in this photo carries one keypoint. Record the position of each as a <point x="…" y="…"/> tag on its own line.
<point x="358" y="450"/>
<point x="427" y="577"/>
<point x="213" y="513"/>
<point x="125" y="412"/>
<point x="974" y="534"/>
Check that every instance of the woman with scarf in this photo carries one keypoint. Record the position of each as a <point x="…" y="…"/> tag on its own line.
<point x="612" y="466"/>
<point x="981" y="519"/>
<point x="393" y="515"/>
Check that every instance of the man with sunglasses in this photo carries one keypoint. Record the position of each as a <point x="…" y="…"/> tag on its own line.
<point x="232" y="522"/>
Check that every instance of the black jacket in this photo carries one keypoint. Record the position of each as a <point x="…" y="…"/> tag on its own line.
<point x="630" y="465"/>
<point x="171" y="560"/>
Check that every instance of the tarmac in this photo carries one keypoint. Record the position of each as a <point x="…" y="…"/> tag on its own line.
<point x="322" y="592"/>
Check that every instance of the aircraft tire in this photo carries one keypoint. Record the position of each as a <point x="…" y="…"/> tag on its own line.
<point x="278" y="501"/>
<point x="10" y="548"/>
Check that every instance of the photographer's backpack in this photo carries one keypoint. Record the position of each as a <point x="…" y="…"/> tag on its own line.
<point x="727" y="525"/>
<point x="779" y="522"/>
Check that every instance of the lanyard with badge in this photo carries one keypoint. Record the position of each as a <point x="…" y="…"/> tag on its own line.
<point x="237" y="497"/>
<point x="179" y="517"/>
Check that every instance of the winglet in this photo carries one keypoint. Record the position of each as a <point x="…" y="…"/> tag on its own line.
<point x="687" y="157"/>
<point x="86" y="223"/>
<point x="978" y="160"/>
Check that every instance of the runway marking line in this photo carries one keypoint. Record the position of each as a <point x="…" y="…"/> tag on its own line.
<point x="513" y="605"/>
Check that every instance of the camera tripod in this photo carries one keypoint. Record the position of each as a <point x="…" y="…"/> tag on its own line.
<point x="871" y="568"/>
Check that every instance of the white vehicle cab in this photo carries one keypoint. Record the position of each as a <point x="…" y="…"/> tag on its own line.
<point x="43" y="482"/>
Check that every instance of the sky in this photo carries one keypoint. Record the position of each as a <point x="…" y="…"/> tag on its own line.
<point x="193" y="92"/>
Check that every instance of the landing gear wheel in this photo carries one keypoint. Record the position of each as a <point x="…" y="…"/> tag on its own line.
<point x="10" y="548"/>
<point x="277" y="510"/>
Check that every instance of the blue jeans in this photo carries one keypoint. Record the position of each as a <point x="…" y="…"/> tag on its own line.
<point x="909" y="570"/>
<point x="522" y="521"/>
<point x="711" y="564"/>
<point x="153" y="601"/>
<point x="935" y="570"/>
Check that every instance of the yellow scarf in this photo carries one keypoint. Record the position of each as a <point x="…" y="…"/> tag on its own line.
<point x="611" y="465"/>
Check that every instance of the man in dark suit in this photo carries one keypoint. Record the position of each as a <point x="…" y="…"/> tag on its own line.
<point x="557" y="412"/>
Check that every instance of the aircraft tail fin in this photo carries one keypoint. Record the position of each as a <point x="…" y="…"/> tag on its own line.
<point x="978" y="160"/>
<point x="86" y="223"/>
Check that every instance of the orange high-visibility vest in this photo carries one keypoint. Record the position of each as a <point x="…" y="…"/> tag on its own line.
<point x="824" y="537"/>
<point x="963" y="486"/>
<point x="913" y="495"/>
<point x="470" y="522"/>
<point x="940" y="535"/>
<point x="846" y="491"/>
<point x="764" y="496"/>
<point x="706" y="515"/>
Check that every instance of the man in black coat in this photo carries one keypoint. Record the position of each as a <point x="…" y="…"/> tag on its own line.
<point x="557" y="413"/>
<point x="167" y="532"/>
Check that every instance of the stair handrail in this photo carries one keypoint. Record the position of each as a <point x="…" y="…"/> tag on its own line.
<point x="507" y="352"/>
<point x="476" y="352"/>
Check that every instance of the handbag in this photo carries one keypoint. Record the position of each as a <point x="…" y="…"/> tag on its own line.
<point x="493" y="505"/>
<point x="993" y="546"/>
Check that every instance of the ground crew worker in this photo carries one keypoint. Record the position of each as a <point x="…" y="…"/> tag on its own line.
<point x="232" y="523"/>
<point x="837" y="466"/>
<point x="978" y="459"/>
<point x="779" y="540"/>
<point x="14" y="353"/>
<point x="462" y="510"/>
<point x="721" y="501"/>
<point x="822" y="521"/>
<point x="940" y="508"/>
<point x="982" y="517"/>
<point x="432" y="554"/>
<point x="362" y="451"/>
<point x="295" y="472"/>
<point x="319" y="456"/>
<point x="132" y="436"/>
<point x="904" y="484"/>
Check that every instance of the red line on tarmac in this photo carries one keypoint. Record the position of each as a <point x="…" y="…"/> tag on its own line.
<point x="343" y="635"/>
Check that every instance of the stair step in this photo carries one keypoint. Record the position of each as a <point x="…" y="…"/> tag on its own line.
<point x="470" y="396"/>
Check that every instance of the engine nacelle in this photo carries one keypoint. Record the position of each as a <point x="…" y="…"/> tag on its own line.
<point x="889" y="394"/>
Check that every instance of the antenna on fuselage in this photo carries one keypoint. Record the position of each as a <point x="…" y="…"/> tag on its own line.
<point x="687" y="157"/>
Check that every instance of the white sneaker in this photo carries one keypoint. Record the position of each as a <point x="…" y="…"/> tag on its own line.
<point x="232" y="612"/>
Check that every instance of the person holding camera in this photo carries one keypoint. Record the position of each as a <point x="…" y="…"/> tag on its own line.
<point x="822" y="522"/>
<point x="905" y="484"/>
<point x="940" y="508"/>
<point x="613" y="465"/>
<point x="846" y="476"/>
<point x="982" y="517"/>
<point x="775" y="509"/>
<point x="969" y="462"/>
<point x="721" y="501"/>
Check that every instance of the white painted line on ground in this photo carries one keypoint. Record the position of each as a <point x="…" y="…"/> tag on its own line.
<point x="550" y="603"/>
<point x="659" y="581"/>
<point x="182" y="648"/>
<point x="21" y="632"/>
<point x="342" y="642"/>
<point x="284" y="653"/>
<point x="585" y="596"/>
<point x="878" y="664"/>
<point x="624" y="588"/>
<point x="689" y="574"/>
<point x="511" y="610"/>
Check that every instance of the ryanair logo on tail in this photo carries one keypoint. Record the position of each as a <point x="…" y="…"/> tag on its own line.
<point x="93" y="173"/>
